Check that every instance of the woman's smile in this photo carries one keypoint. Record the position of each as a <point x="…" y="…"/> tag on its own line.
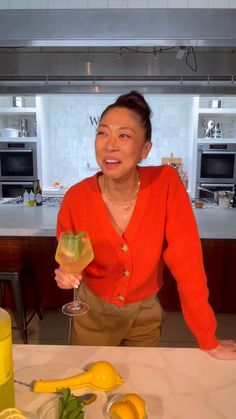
<point x="112" y="163"/>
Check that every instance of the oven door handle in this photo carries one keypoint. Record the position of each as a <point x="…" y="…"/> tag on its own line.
<point x="17" y="183"/>
<point x="16" y="150"/>
<point x="217" y="152"/>
<point x="209" y="185"/>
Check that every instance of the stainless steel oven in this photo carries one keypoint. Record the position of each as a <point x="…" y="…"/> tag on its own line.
<point x="216" y="163"/>
<point x="16" y="189"/>
<point x="18" y="161"/>
<point x="216" y="166"/>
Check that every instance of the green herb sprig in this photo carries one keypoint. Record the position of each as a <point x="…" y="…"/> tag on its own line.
<point x="69" y="406"/>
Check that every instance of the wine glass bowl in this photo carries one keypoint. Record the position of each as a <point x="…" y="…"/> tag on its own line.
<point x="74" y="252"/>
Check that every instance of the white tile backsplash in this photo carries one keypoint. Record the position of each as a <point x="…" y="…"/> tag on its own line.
<point x="38" y="4"/>
<point x="157" y="4"/>
<point x="97" y="4"/>
<point x="70" y="121"/>
<point x="18" y="4"/>
<point x="57" y="4"/>
<point x="201" y="4"/>
<point x="4" y="4"/>
<point x="122" y="4"/>
<point x="218" y="4"/>
<point x="117" y="4"/>
<point x="77" y="4"/>
<point x="137" y="4"/>
<point x="178" y="4"/>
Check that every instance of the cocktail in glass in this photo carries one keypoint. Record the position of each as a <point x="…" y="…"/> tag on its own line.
<point x="74" y="252"/>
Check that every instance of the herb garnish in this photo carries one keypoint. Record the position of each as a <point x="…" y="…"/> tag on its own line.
<point x="70" y="407"/>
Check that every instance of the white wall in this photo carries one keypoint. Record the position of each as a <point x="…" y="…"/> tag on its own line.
<point x="119" y="4"/>
<point x="67" y="133"/>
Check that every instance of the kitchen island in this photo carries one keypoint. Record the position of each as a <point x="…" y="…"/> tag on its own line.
<point x="176" y="383"/>
<point x="29" y="234"/>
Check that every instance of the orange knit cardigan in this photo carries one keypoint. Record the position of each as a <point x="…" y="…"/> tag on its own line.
<point x="162" y="229"/>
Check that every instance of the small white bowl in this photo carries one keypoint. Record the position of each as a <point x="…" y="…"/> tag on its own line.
<point x="10" y="132"/>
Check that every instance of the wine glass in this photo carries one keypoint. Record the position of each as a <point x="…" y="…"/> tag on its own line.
<point x="74" y="252"/>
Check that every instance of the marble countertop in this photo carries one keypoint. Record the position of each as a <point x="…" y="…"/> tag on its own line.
<point x="17" y="220"/>
<point x="177" y="383"/>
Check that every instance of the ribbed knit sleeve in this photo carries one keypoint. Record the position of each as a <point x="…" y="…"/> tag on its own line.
<point x="183" y="256"/>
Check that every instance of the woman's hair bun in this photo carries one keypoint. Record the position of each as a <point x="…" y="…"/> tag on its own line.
<point x="135" y="102"/>
<point x="134" y="99"/>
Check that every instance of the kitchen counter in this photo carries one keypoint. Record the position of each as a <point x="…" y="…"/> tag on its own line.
<point x="17" y="220"/>
<point x="175" y="382"/>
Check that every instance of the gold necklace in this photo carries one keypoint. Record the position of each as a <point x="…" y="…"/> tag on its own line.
<point x="122" y="203"/>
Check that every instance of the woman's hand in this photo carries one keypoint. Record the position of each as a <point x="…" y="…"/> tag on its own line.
<point x="225" y="350"/>
<point x="66" y="280"/>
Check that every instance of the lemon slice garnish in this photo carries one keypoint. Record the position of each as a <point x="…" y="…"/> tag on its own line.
<point x="12" y="413"/>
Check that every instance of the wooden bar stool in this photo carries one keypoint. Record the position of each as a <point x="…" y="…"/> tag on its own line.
<point x="16" y="273"/>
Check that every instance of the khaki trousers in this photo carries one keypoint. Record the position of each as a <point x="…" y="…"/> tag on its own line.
<point x="137" y="324"/>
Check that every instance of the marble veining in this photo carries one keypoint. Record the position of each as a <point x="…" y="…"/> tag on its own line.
<point x="177" y="383"/>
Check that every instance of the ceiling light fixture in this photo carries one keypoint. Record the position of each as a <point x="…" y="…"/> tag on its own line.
<point x="180" y="53"/>
<point x="88" y="68"/>
<point x="96" y="86"/>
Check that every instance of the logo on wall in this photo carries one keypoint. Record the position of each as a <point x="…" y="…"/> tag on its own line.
<point x="94" y="120"/>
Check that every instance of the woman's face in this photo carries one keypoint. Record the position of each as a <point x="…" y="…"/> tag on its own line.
<point x="120" y="142"/>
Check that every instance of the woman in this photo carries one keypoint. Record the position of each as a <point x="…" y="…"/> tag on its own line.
<point x="138" y="218"/>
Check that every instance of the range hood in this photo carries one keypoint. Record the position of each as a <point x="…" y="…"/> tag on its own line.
<point x="86" y="50"/>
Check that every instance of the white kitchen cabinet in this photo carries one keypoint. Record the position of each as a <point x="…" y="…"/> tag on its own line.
<point x="224" y="118"/>
<point x="225" y="115"/>
<point x="24" y="118"/>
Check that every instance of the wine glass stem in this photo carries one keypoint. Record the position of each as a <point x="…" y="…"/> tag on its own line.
<point x="75" y="294"/>
<point x="76" y="289"/>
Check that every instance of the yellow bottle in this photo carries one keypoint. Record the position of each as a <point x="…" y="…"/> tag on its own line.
<point x="7" y="398"/>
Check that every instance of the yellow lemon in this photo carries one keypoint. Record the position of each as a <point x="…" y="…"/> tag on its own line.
<point x="7" y="413"/>
<point x="123" y="410"/>
<point x="139" y="403"/>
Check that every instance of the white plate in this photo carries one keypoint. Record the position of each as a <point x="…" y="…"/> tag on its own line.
<point x="28" y="400"/>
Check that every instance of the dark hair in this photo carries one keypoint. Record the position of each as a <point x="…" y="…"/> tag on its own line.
<point x="136" y="103"/>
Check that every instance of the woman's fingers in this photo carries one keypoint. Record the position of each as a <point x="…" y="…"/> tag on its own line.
<point x="226" y="350"/>
<point x="66" y="280"/>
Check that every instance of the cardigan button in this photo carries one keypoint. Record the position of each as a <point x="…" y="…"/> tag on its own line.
<point x="124" y="248"/>
<point x="126" y="272"/>
<point x="121" y="297"/>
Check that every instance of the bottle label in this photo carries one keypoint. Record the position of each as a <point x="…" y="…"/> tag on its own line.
<point x="38" y="198"/>
<point x="6" y="362"/>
